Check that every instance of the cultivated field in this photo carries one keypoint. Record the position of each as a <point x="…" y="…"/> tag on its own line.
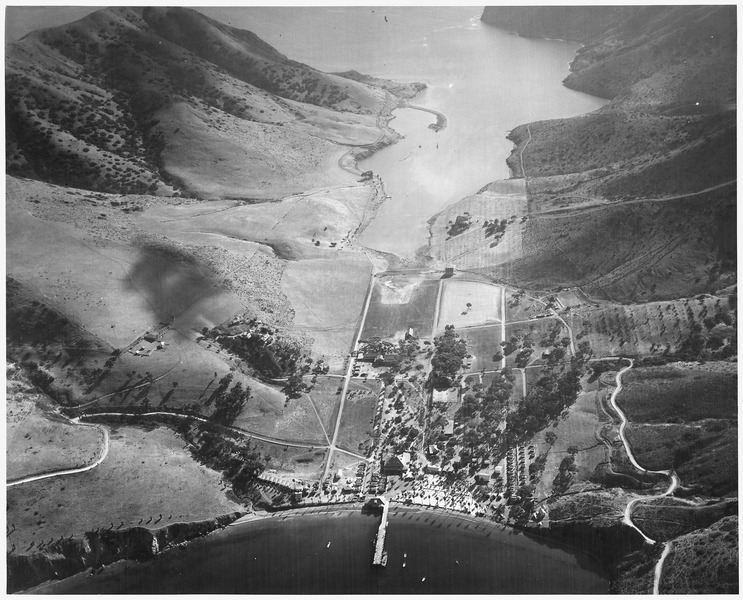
<point x="399" y="302"/>
<point x="147" y="473"/>
<point x="484" y="300"/>
<point x="475" y="248"/>
<point x="355" y="431"/>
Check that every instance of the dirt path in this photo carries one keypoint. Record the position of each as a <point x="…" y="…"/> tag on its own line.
<point x="98" y="461"/>
<point x="521" y="154"/>
<point x="241" y="431"/>
<point x="552" y="213"/>
<point x="674" y="479"/>
<point x="347" y="380"/>
<point x="319" y="420"/>
<point x="503" y="325"/>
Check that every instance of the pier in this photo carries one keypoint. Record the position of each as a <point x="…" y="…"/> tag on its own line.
<point x="380" y="554"/>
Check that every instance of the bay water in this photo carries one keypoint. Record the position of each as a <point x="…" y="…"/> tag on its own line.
<point x="329" y="551"/>
<point x="485" y="80"/>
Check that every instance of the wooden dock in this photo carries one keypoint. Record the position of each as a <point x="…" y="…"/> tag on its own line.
<point x="380" y="554"/>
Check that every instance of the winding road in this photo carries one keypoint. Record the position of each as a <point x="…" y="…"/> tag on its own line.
<point x="98" y="461"/>
<point x="669" y="473"/>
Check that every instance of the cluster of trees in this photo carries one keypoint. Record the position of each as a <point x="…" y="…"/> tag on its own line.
<point x="544" y="403"/>
<point x="238" y="461"/>
<point x="566" y="471"/>
<point x="448" y="356"/>
<point x="269" y="355"/>
<point x="461" y="224"/>
<point x="228" y="404"/>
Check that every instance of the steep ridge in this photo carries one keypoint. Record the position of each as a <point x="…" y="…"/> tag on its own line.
<point x="152" y="100"/>
<point x="669" y="132"/>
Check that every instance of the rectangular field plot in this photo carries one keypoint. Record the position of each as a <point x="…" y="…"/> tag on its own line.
<point x="399" y="303"/>
<point x="482" y="343"/>
<point x="357" y="421"/>
<point x="466" y="303"/>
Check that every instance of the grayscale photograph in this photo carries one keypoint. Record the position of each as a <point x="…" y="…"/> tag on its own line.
<point x="371" y="300"/>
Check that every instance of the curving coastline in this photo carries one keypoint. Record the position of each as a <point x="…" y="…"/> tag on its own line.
<point x="97" y="548"/>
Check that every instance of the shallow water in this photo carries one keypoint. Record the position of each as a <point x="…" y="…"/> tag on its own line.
<point x="290" y="554"/>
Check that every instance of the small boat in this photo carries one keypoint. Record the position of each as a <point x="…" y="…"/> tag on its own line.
<point x="404" y="554"/>
<point x="328" y="546"/>
<point x="403" y="565"/>
<point x="422" y="580"/>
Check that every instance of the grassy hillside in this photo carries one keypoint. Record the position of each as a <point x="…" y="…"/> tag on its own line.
<point x="151" y="100"/>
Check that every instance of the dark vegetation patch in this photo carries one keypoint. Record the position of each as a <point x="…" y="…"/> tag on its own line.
<point x="676" y="395"/>
<point x="667" y="518"/>
<point x="704" y="455"/>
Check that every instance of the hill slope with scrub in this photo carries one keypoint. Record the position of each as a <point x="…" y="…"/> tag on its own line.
<point x="662" y="147"/>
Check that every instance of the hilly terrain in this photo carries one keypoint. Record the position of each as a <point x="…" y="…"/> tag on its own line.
<point x="668" y="135"/>
<point x="194" y="329"/>
<point x="166" y="100"/>
<point x="176" y="191"/>
<point x="630" y="228"/>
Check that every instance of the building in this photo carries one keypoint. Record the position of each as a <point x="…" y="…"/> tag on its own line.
<point x="482" y="478"/>
<point x="432" y="469"/>
<point x="151" y="337"/>
<point x="449" y="427"/>
<point x="410" y="333"/>
<point x="393" y="466"/>
<point x="449" y="271"/>
<point x="451" y="395"/>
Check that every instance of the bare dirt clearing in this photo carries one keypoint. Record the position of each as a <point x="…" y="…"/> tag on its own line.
<point x="465" y="303"/>
<point x="398" y="303"/>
